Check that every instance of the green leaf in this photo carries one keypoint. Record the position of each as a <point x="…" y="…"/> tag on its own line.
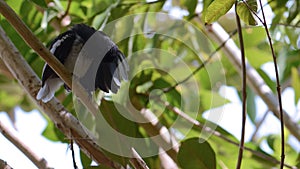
<point x="257" y="57"/>
<point x="99" y="19"/>
<point x="49" y="132"/>
<point x="286" y="60"/>
<point x="26" y="104"/>
<point x="217" y="9"/>
<point x="172" y="96"/>
<point x="273" y="142"/>
<point x="293" y="12"/>
<point x="191" y="6"/>
<point x="281" y="3"/>
<point x="277" y="19"/>
<point x="40" y="3"/>
<point x="196" y="153"/>
<point x="210" y="99"/>
<point x="245" y="14"/>
<point x="117" y="120"/>
<point x="11" y="94"/>
<point x="253" y="36"/>
<point x="267" y="79"/>
<point x="85" y="160"/>
<point x="206" y="4"/>
<point x="251" y="106"/>
<point x="292" y="35"/>
<point x="26" y="7"/>
<point x="296" y="83"/>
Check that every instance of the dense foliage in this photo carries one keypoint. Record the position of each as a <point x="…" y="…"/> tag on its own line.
<point x="162" y="52"/>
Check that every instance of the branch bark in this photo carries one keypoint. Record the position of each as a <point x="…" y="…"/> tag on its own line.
<point x="163" y="138"/>
<point x="256" y="82"/>
<point x="14" y="139"/>
<point x="34" y="43"/>
<point x="4" y="165"/>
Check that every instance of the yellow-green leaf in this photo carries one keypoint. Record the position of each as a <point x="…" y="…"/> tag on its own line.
<point x="210" y="99"/>
<point x="245" y="14"/>
<point x="217" y="9"/>
<point x="206" y="4"/>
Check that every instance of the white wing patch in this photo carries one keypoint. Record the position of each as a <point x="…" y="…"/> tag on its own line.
<point x="46" y="93"/>
<point x="58" y="43"/>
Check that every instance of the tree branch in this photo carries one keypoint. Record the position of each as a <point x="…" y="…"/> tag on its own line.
<point x="164" y="138"/>
<point x="257" y="126"/>
<point x="34" y="43"/>
<point x="14" y="139"/>
<point x="137" y="161"/>
<point x="4" y="165"/>
<point x="165" y="160"/>
<point x="5" y="71"/>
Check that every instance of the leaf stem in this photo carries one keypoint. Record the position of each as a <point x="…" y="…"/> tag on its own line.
<point x="278" y="86"/>
<point x="244" y="92"/>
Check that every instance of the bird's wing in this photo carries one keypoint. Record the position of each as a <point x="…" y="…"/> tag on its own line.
<point x="60" y="48"/>
<point x="112" y="70"/>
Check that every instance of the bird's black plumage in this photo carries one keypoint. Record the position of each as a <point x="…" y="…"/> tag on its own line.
<point x="105" y="71"/>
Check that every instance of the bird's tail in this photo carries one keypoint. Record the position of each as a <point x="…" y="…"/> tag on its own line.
<point x="46" y="93"/>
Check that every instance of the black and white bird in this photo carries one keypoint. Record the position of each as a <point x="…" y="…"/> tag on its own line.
<point x="90" y="56"/>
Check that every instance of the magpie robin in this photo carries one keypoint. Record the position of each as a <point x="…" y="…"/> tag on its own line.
<point x="92" y="58"/>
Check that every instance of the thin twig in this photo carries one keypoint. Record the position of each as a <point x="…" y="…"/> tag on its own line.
<point x="14" y="139"/>
<point x="278" y="86"/>
<point x="4" y="165"/>
<point x="168" y="89"/>
<point x="73" y="154"/>
<point x="67" y="10"/>
<point x="257" y="126"/>
<point x="244" y="92"/>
